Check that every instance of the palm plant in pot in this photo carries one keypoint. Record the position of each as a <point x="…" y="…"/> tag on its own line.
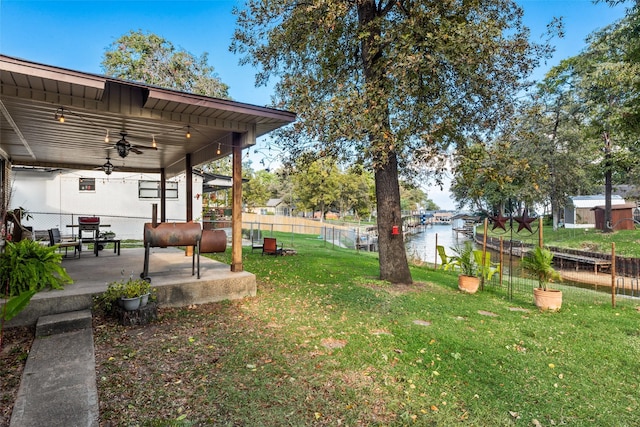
<point x="539" y="264"/>
<point x="464" y="259"/>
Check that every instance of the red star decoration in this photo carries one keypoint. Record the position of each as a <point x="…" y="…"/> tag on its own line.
<point x="499" y="221"/>
<point x="524" y="221"/>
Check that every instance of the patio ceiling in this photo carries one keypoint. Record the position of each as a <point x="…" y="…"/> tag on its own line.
<point x="33" y="95"/>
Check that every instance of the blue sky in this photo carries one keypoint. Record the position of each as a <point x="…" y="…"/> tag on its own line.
<point x="75" y="34"/>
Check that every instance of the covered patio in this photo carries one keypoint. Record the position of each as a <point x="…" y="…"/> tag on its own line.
<point x="52" y="117"/>
<point x="170" y="275"/>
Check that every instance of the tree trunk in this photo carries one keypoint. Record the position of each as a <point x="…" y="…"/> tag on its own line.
<point x="608" y="227"/>
<point x="394" y="266"/>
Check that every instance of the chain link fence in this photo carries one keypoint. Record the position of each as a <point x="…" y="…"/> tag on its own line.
<point x="584" y="272"/>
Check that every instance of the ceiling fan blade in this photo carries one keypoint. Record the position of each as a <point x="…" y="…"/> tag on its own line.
<point x="143" y="147"/>
<point x="135" y="150"/>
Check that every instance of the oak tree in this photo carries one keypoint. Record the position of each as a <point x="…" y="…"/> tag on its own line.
<point x="152" y="59"/>
<point x="389" y="84"/>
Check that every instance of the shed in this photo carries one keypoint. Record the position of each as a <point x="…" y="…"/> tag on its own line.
<point x="621" y="217"/>
<point x="579" y="212"/>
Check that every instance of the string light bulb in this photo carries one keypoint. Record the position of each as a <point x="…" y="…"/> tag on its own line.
<point x="59" y="116"/>
<point x="218" y="150"/>
<point x="188" y="132"/>
<point x="153" y="141"/>
<point x="106" y="137"/>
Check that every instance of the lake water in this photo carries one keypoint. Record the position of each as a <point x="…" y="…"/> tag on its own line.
<point x="423" y="245"/>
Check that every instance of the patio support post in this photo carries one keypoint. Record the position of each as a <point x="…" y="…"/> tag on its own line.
<point x="189" y="177"/>
<point x="163" y="195"/>
<point x="189" y="197"/>
<point x="236" y="204"/>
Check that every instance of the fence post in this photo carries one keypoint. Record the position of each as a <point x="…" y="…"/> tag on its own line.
<point x="484" y="251"/>
<point x="333" y="237"/>
<point x="540" y="233"/>
<point x="324" y="235"/>
<point x="613" y="275"/>
<point x="501" y="260"/>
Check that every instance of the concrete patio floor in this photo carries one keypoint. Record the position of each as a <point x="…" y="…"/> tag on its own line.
<point x="169" y="270"/>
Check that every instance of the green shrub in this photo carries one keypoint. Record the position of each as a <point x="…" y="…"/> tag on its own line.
<point x="27" y="265"/>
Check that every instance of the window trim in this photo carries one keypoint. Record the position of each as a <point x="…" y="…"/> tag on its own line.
<point x="150" y="189"/>
<point x="88" y="182"/>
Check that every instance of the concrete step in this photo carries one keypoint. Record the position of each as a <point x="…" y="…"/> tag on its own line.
<point x="63" y="322"/>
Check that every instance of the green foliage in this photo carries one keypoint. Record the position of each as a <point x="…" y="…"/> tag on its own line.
<point x="26" y="265"/>
<point x="465" y="259"/>
<point x="16" y="304"/>
<point x="257" y="191"/>
<point x="412" y="197"/>
<point x="130" y="288"/>
<point x="135" y="288"/>
<point x="317" y="185"/>
<point x="555" y="140"/>
<point x="539" y="263"/>
<point x="154" y="60"/>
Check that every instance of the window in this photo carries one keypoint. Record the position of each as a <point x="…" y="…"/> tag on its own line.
<point x="151" y="190"/>
<point x="87" y="184"/>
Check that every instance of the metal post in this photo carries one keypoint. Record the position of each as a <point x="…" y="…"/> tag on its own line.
<point x="613" y="275"/>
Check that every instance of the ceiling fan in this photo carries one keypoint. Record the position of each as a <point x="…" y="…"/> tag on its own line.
<point x="123" y="146"/>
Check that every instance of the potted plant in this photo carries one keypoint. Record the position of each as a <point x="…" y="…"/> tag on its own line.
<point x="539" y="264"/>
<point x="127" y="294"/>
<point x="26" y="265"/>
<point x="132" y="292"/>
<point x="464" y="259"/>
<point x="26" y="268"/>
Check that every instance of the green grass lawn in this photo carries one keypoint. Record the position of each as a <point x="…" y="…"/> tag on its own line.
<point x="325" y="342"/>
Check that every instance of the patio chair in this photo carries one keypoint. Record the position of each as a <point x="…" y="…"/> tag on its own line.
<point x="487" y="268"/>
<point x="447" y="262"/>
<point x="56" y="240"/>
<point x="270" y="247"/>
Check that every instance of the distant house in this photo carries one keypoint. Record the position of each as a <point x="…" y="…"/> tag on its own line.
<point x="274" y="207"/>
<point x="442" y="217"/>
<point x="464" y="223"/>
<point x="622" y="216"/>
<point x="579" y="211"/>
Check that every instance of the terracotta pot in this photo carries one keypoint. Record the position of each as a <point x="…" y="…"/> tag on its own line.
<point x="550" y="299"/>
<point x="468" y="284"/>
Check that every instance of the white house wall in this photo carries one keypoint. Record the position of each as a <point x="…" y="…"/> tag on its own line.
<point x="55" y="201"/>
